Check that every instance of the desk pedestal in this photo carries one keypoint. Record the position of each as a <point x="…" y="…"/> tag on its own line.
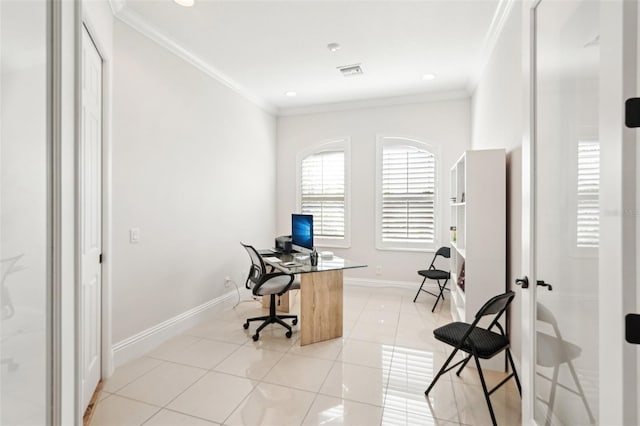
<point x="320" y="306"/>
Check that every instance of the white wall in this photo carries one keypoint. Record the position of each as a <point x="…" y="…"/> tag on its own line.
<point x="496" y="122"/>
<point x="444" y="124"/>
<point x="193" y="168"/>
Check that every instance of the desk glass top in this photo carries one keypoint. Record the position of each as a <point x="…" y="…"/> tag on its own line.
<point x="303" y="263"/>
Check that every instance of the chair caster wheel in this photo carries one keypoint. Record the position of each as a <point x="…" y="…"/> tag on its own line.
<point x="245" y="325"/>
<point x="256" y="337"/>
<point x="289" y="334"/>
<point x="295" y="321"/>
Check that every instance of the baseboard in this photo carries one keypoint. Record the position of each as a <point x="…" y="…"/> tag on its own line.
<point x="142" y="343"/>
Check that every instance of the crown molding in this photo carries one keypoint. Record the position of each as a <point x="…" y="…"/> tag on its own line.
<point x="376" y="102"/>
<point x="490" y="40"/>
<point x="138" y="23"/>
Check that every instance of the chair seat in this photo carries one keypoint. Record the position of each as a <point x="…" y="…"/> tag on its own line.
<point x="434" y="274"/>
<point x="487" y="343"/>
<point x="274" y="285"/>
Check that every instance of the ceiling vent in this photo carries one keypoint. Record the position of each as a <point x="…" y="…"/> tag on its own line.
<point x="351" y="70"/>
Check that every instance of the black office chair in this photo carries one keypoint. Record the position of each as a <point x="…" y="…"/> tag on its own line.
<point x="263" y="283"/>
<point x="436" y="274"/>
<point x="479" y="343"/>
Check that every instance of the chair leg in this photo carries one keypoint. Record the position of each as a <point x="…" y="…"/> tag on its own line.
<point x="257" y="319"/>
<point x="282" y="323"/>
<point x="484" y="389"/>
<point x="272" y="318"/>
<point x="441" y="295"/>
<point x="419" y="290"/>
<point x="287" y="316"/>
<point x="441" y="372"/>
<point x="515" y="373"/>
<point x="464" y="364"/>
<point x="262" y="326"/>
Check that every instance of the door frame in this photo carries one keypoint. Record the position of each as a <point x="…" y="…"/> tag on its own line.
<point x="618" y="390"/>
<point x="106" y="353"/>
<point x="528" y="297"/>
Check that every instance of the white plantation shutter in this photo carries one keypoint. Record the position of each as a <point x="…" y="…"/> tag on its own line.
<point x="588" y="209"/>
<point x="323" y="192"/>
<point x="408" y="194"/>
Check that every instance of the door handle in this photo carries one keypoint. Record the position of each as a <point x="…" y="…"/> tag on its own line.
<point x="632" y="113"/>
<point x="632" y="328"/>
<point x="523" y="282"/>
<point x="541" y="283"/>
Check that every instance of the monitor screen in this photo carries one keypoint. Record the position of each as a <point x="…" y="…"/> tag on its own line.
<point x="302" y="231"/>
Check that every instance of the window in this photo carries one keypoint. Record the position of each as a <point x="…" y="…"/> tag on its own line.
<point x="588" y="190"/>
<point x="323" y="192"/>
<point x="406" y="194"/>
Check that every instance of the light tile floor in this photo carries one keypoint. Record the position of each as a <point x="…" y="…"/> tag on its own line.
<point x="375" y="375"/>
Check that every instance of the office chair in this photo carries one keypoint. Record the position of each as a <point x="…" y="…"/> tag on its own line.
<point x="263" y="283"/>
<point x="478" y="343"/>
<point x="436" y="274"/>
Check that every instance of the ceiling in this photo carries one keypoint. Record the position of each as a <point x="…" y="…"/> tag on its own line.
<point x="266" y="48"/>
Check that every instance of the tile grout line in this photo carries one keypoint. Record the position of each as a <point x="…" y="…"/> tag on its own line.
<point x="115" y="392"/>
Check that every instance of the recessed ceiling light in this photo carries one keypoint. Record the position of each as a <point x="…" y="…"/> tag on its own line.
<point x="185" y="3"/>
<point x="291" y="93"/>
<point x="428" y="76"/>
<point x="334" y="47"/>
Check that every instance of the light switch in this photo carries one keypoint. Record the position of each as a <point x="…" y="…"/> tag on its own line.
<point x="134" y="235"/>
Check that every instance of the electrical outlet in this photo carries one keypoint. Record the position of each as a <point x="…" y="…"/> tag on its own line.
<point x="379" y="270"/>
<point x="134" y="235"/>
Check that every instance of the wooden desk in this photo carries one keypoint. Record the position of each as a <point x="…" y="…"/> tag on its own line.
<point x="321" y="299"/>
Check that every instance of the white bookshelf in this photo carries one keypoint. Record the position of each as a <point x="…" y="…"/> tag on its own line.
<point x="478" y="213"/>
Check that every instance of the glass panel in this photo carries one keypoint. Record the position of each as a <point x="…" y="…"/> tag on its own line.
<point x="24" y="350"/>
<point x="567" y="212"/>
<point x="302" y="264"/>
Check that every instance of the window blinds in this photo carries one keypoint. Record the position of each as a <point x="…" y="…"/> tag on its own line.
<point x="588" y="208"/>
<point x="408" y="194"/>
<point x="323" y="192"/>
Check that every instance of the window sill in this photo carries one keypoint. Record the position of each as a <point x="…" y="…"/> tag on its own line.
<point x="331" y="244"/>
<point x="408" y="249"/>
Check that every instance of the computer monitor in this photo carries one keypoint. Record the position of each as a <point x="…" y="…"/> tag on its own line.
<point x="302" y="232"/>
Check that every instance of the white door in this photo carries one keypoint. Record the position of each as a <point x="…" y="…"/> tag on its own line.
<point x="578" y="182"/>
<point x="90" y="217"/>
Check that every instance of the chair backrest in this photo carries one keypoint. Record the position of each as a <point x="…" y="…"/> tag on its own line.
<point x="496" y="305"/>
<point x="258" y="268"/>
<point x="442" y="251"/>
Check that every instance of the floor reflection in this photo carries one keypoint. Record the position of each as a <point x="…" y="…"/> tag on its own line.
<point x="552" y="353"/>
<point x="22" y="358"/>
<point x="10" y="266"/>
